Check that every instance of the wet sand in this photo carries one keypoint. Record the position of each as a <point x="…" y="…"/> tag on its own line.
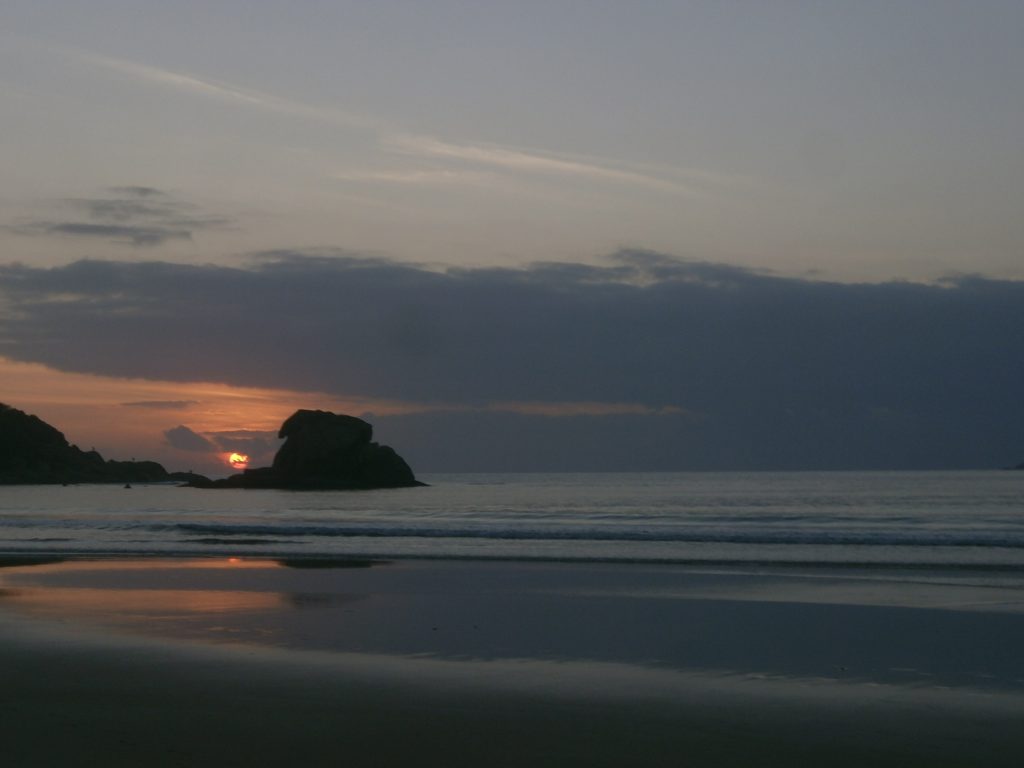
<point x="462" y="663"/>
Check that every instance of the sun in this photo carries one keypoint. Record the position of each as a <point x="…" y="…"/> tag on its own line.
<point x="238" y="460"/>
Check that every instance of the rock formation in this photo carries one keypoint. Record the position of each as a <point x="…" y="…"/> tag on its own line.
<point x="33" y="452"/>
<point x="321" y="451"/>
<point x="324" y="450"/>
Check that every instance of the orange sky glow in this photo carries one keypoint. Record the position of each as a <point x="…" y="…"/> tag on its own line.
<point x="126" y="418"/>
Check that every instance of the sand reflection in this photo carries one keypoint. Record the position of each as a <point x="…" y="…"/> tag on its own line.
<point x="208" y="599"/>
<point x="138" y="603"/>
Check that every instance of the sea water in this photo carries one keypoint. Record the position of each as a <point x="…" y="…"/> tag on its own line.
<point x="972" y="521"/>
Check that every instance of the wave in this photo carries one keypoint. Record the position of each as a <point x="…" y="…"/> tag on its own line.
<point x="606" y="534"/>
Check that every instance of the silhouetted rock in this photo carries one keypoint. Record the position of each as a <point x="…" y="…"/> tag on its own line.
<point x="325" y="450"/>
<point x="33" y="452"/>
<point x="319" y="444"/>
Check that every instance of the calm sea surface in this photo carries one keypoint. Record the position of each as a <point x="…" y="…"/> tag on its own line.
<point x="967" y="520"/>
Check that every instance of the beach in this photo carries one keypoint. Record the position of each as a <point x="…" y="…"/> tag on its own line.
<point x="229" y="661"/>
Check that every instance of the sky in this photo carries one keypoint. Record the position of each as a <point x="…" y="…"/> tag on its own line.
<point x="519" y="236"/>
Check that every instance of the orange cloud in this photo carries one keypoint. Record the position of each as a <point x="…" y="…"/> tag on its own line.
<point x="584" y="408"/>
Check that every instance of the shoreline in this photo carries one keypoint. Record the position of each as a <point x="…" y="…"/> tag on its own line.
<point x="19" y="557"/>
<point x="157" y="662"/>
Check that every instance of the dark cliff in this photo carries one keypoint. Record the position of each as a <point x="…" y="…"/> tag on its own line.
<point x="33" y="452"/>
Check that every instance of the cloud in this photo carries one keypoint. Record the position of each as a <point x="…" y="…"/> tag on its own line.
<point x="184" y="439"/>
<point x="392" y="138"/>
<point x="259" y="446"/>
<point x="563" y="409"/>
<point x="134" y="191"/>
<point x="225" y="92"/>
<point x="113" y="233"/>
<point x="723" y="366"/>
<point x="524" y="161"/>
<point x="139" y="216"/>
<point x="169" y="405"/>
<point x="415" y="177"/>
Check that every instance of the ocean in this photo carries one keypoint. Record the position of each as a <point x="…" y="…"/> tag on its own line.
<point x="819" y="618"/>
<point x="970" y="521"/>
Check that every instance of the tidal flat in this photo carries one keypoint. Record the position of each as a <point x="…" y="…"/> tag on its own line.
<point x="228" y="661"/>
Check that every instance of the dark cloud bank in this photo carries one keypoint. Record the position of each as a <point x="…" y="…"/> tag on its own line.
<point x="770" y="372"/>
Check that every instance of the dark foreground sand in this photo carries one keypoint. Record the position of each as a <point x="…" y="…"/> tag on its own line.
<point x="225" y="663"/>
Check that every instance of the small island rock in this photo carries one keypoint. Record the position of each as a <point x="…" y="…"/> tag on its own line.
<point x="325" y="451"/>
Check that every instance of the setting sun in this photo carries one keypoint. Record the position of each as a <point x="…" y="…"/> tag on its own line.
<point x="238" y="460"/>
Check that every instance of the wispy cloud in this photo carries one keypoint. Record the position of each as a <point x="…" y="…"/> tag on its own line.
<point x="228" y="93"/>
<point x="414" y="177"/>
<point x="163" y="405"/>
<point x="519" y="160"/>
<point x="583" y="408"/>
<point x="394" y="139"/>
